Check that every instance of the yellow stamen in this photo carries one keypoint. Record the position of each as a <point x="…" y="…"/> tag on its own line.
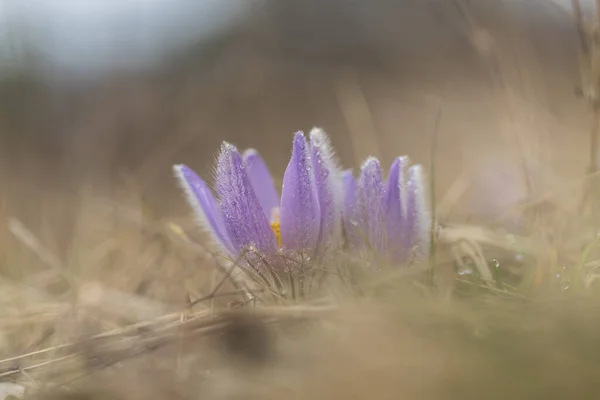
<point x="276" y="226"/>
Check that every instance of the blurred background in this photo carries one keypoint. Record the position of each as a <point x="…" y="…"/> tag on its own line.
<point x="105" y="95"/>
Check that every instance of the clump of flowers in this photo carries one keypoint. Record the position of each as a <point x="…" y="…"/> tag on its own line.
<point x="249" y="216"/>
<point x="389" y="217"/>
<point x="249" y="212"/>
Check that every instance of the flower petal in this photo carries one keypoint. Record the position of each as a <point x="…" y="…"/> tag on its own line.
<point x="300" y="212"/>
<point x="245" y="221"/>
<point x="349" y="208"/>
<point x="418" y="218"/>
<point x="395" y="211"/>
<point x="261" y="181"/>
<point x="370" y="214"/>
<point x="329" y="191"/>
<point x="204" y="204"/>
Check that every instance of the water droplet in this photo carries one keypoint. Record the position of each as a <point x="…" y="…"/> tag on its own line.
<point x="465" y="271"/>
<point x="242" y="166"/>
<point x="496" y="263"/>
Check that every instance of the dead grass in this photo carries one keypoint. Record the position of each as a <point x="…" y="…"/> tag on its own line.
<point x="140" y="308"/>
<point x="126" y="303"/>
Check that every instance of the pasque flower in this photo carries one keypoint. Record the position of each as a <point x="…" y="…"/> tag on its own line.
<point x="388" y="216"/>
<point x="250" y="214"/>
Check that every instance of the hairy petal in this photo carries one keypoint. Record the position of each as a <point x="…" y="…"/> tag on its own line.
<point x="300" y="212"/>
<point x="395" y="211"/>
<point x="329" y="191"/>
<point x="261" y="181"/>
<point x="245" y="221"/>
<point x="370" y="214"/>
<point x="418" y="218"/>
<point x="204" y="204"/>
<point x="349" y="208"/>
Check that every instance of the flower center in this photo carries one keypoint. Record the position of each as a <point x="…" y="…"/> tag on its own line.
<point x="276" y="225"/>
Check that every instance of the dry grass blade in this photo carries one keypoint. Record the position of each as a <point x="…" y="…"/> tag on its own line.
<point x="137" y="339"/>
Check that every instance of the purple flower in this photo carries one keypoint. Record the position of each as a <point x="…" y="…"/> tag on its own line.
<point x="389" y="217"/>
<point x="249" y="213"/>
